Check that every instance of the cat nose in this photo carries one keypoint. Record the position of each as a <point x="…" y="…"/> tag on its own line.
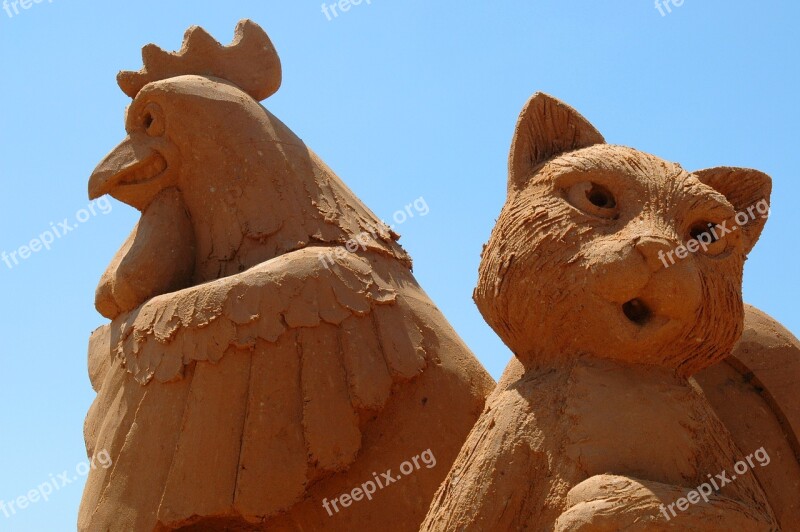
<point x="655" y="251"/>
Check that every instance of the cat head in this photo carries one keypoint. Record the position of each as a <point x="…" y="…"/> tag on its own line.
<point x="611" y="252"/>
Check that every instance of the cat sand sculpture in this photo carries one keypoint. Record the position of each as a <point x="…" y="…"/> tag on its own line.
<point x="597" y="423"/>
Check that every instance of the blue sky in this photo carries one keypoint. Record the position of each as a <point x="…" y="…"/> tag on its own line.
<point x="403" y="100"/>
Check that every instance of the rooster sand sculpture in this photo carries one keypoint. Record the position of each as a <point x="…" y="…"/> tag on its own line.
<point x="597" y="423"/>
<point x="254" y="372"/>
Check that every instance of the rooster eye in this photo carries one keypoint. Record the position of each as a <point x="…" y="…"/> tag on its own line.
<point x="153" y="120"/>
<point x="593" y="199"/>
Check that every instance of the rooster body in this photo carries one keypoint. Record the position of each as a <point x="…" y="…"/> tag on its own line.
<point x="249" y="376"/>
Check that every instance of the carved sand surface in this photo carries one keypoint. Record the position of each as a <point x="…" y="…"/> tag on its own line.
<point x="615" y="278"/>
<point x="755" y="393"/>
<point x="255" y="373"/>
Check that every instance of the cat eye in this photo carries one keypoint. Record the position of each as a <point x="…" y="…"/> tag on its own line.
<point x="593" y="199"/>
<point x="709" y="236"/>
<point x="700" y="229"/>
<point x="601" y="197"/>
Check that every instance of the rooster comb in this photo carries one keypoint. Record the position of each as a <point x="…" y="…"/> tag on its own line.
<point x="249" y="62"/>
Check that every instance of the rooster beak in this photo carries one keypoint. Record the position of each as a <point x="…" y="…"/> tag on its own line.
<point x="131" y="173"/>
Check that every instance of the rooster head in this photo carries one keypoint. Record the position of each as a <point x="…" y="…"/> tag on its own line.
<point x="222" y="184"/>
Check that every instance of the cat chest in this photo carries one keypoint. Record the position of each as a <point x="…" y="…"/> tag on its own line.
<point x="628" y="422"/>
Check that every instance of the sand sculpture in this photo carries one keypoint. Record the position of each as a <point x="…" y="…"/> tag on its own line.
<point x="270" y="358"/>
<point x="756" y="395"/>
<point x="597" y="423"/>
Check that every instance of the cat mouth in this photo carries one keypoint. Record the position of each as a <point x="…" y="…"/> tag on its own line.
<point x="637" y="312"/>
<point x="642" y="316"/>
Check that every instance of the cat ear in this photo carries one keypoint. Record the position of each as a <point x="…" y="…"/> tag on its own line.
<point x="546" y="127"/>
<point x="748" y="191"/>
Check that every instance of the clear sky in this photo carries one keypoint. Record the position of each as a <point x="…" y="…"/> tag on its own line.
<point x="404" y="100"/>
